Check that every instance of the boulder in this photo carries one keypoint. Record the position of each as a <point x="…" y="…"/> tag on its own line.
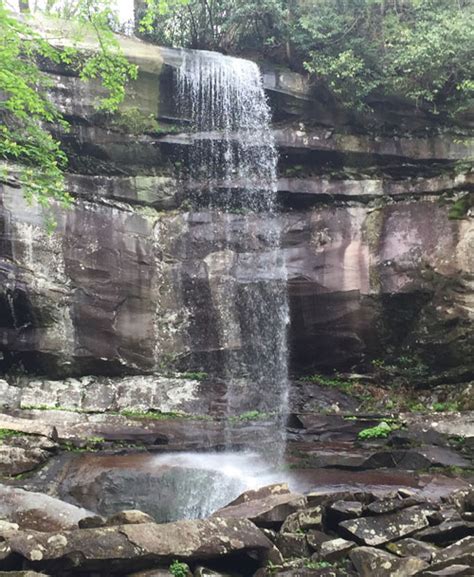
<point x="412" y="548"/>
<point x="391" y="505"/>
<point x="292" y="545"/>
<point x="371" y="562"/>
<point x="335" y="549"/>
<point x="261" y="493"/>
<point x="38" y="511"/>
<point x="270" y="510"/>
<point x="7" y="528"/>
<point x="447" y="532"/>
<point x="412" y="459"/>
<point x="129" y="517"/>
<point x="461" y="552"/>
<point x="9" y="395"/>
<point x="455" y="570"/>
<point x="449" y="514"/>
<point x="16" y="460"/>
<point x="123" y="548"/>
<point x="342" y="511"/>
<point x="303" y="520"/>
<point x="26" y="426"/>
<point x="326" y="497"/>
<point x="316" y="538"/>
<point x="384" y="528"/>
<point x="92" y="522"/>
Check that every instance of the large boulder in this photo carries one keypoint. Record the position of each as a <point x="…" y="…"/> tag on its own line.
<point x="303" y="520"/>
<point x="16" y="460"/>
<point x="461" y="552"/>
<point x="412" y="548"/>
<point x="384" y="528"/>
<point x="147" y="545"/>
<point x="38" y="511"/>
<point x="371" y="562"/>
<point x="266" y="507"/>
<point x="447" y="532"/>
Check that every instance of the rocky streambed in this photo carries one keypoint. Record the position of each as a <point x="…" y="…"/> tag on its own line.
<point x="130" y="492"/>
<point x="265" y="532"/>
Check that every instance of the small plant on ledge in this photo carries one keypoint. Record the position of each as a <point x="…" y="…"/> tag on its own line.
<point x="179" y="569"/>
<point x="380" y="431"/>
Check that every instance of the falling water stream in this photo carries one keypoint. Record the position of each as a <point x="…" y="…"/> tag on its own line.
<point x="233" y="175"/>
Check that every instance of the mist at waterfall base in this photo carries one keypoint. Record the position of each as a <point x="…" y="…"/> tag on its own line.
<point x="205" y="482"/>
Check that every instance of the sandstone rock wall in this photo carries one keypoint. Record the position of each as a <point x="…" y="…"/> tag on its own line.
<point x="129" y="281"/>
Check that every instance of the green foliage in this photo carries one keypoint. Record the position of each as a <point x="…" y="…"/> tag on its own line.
<point x="444" y="407"/>
<point x="309" y="564"/>
<point x="401" y="371"/>
<point x="26" y="111"/>
<point x="134" y="121"/>
<point x="249" y="416"/>
<point x="154" y="415"/>
<point x="359" y="49"/>
<point x="380" y="431"/>
<point x="108" y="64"/>
<point x="460" y="208"/>
<point x="179" y="569"/>
<point x="7" y="433"/>
<point x="194" y="376"/>
<point x="334" y="382"/>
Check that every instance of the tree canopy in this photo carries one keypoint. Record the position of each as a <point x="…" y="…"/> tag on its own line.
<point x="420" y="50"/>
<point x="417" y="49"/>
<point x="26" y="110"/>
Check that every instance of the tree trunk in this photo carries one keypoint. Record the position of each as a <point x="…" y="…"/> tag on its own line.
<point x="24" y="5"/>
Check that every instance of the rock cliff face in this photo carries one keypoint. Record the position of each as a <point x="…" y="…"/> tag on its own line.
<point x="129" y="281"/>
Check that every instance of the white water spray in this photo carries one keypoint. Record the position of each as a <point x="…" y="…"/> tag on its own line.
<point x="233" y="174"/>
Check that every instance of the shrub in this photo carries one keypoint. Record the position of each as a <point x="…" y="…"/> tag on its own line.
<point x="179" y="569"/>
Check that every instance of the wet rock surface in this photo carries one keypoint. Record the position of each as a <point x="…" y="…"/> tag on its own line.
<point x="130" y="540"/>
<point x="114" y="291"/>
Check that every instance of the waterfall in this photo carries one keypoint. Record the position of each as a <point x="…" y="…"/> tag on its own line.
<point x="232" y="174"/>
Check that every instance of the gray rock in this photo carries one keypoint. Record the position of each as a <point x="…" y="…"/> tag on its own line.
<point x="38" y="511"/>
<point x="6" y="528"/>
<point x="91" y="522"/>
<point x="147" y="545"/>
<point x="370" y="562"/>
<point x="316" y="538"/>
<point x="391" y="505"/>
<point x="341" y="511"/>
<point x="384" y="528"/>
<point x="261" y="493"/>
<point x="455" y="570"/>
<point x="335" y="549"/>
<point x="9" y="395"/>
<point x="302" y="520"/>
<point x="412" y="548"/>
<point x="129" y="517"/>
<point x="460" y="552"/>
<point x="269" y="511"/>
<point x="292" y="545"/>
<point x="449" y="514"/>
<point x="446" y="532"/>
<point x="17" y="460"/>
